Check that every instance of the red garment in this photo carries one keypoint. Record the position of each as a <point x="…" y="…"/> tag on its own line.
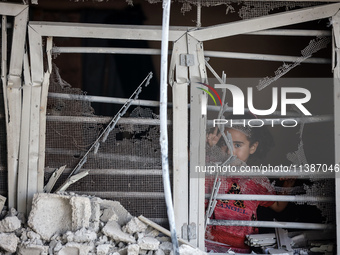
<point x="236" y="210"/>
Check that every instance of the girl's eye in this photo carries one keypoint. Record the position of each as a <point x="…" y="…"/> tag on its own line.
<point x="237" y="145"/>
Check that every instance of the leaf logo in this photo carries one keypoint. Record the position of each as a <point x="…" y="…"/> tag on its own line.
<point x="208" y="92"/>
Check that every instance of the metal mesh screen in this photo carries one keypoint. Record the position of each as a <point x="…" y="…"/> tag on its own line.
<point x="314" y="46"/>
<point x="245" y="9"/>
<point x="127" y="166"/>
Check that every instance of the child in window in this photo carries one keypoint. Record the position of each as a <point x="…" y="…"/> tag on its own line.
<point x="247" y="142"/>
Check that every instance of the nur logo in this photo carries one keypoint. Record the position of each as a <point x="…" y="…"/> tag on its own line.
<point x="302" y="96"/>
<point x="208" y="92"/>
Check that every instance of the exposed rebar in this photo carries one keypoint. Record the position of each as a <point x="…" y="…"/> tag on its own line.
<point x="103" y="136"/>
<point x="163" y="125"/>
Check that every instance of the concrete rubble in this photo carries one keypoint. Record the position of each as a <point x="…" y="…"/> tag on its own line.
<point x="9" y="242"/>
<point x="70" y="224"/>
<point x="2" y="202"/>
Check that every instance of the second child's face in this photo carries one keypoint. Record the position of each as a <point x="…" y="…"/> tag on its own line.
<point x="242" y="147"/>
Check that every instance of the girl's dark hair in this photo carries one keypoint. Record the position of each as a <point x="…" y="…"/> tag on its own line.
<point x="258" y="134"/>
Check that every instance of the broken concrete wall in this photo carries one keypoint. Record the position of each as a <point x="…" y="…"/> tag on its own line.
<point x="67" y="224"/>
<point x="50" y="214"/>
<point x="8" y="228"/>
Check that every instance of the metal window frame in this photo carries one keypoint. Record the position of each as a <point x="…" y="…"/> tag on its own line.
<point x="265" y="22"/>
<point x="37" y="30"/>
<point x="12" y="88"/>
<point x="336" y="71"/>
<point x="255" y="25"/>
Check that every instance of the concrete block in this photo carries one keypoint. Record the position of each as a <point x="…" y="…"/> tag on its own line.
<point x="75" y="249"/>
<point x="51" y="214"/>
<point x="112" y="229"/>
<point x="102" y="239"/>
<point x="134" y="226"/>
<point x="12" y="212"/>
<point x="51" y="246"/>
<point x="2" y="202"/>
<point x="103" y="249"/>
<point x="33" y="236"/>
<point x="150" y="231"/>
<point x="123" y="215"/>
<point x="109" y="215"/>
<point x="55" y="214"/>
<point x="139" y="235"/>
<point x="148" y="243"/>
<point x="67" y="237"/>
<point x="9" y="242"/>
<point x="10" y="224"/>
<point x="133" y="249"/>
<point x="121" y="245"/>
<point x="159" y="252"/>
<point x="166" y="247"/>
<point x="58" y="246"/>
<point x="81" y="212"/>
<point x="143" y="252"/>
<point x="95" y="214"/>
<point x="68" y="251"/>
<point x="23" y="236"/>
<point x="163" y="239"/>
<point x="122" y="251"/>
<point x="84" y="236"/>
<point x="188" y="250"/>
<point x="33" y="249"/>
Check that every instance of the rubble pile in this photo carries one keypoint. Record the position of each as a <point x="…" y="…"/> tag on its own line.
<point x="69" y="224"/>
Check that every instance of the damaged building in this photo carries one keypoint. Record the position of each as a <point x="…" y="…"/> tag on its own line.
<point x="118" y="123"/>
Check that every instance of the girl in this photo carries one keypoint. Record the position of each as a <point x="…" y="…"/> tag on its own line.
<point x="247" y="143"/>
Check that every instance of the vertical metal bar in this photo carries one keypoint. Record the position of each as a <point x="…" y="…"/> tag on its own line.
<point x="197" y="139"/>
<point x="18" y="42"/>
<point x="24" y="140"/>
<point x="164" y="126"/>
<point x="42" y="117"/>
<point x="37" y="76"/>
<point x="14" y="98"/>
<point x="36" y="56"/>
<point x="180" y="138"/>
<point x="4" y="65"/>
<point x="33" y="157"/>
<point x="336" y="71"/>
<point x="4" y="62"/>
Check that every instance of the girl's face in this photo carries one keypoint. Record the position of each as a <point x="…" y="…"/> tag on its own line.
<point x="242" y="147"/>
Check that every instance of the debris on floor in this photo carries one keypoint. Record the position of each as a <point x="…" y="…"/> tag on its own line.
<point x="70" y="224"/>
<point x="2" y="202"/>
